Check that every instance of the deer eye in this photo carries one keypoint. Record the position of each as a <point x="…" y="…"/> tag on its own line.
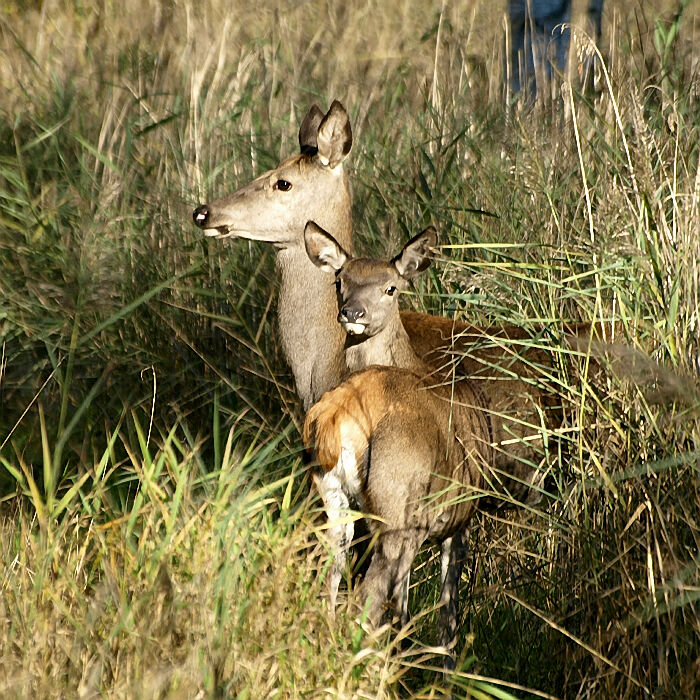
<point x="283" y="185"/>
<point x="390" y="290"/>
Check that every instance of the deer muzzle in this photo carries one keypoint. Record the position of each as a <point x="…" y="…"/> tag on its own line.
<point x="352" y="320"/>
<point x="201" y="217"/>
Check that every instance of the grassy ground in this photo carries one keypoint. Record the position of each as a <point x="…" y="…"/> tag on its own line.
<point x="159" y="537"/>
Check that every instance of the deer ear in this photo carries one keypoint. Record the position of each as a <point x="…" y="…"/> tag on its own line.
<point x="334" y="139"/>
<point x="323" y="250"/>
<point x="308" y="131"/>
<point x="416" y="255"/>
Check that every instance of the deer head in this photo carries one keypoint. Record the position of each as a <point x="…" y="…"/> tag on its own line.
<point x="368" y="289"/>
<point x="275" y="206"/>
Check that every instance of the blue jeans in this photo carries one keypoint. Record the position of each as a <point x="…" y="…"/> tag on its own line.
<point x="539" y="42"/>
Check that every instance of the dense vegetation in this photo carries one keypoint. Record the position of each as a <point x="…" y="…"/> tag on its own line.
<point x="158" y="532"/>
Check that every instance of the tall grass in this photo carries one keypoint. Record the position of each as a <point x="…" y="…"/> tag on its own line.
<point x="159" y="536"/>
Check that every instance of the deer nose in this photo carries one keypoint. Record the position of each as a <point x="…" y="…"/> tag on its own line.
<point x="200" y="215"/>
<point x="351" y="315"/>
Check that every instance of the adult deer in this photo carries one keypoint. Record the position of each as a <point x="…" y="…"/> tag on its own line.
<point x="274" y="208"/>
<point x="409" y="448"/>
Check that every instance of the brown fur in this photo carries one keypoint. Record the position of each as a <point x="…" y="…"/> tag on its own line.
<point x="513" y="373"/>
<point x="314" y="344"/>
<point x="378" y="398"/>
<point x="410" y="446"/>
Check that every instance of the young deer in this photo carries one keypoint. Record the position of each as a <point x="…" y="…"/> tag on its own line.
<point x="441" y="431"/>
<point x="368" y="293"/>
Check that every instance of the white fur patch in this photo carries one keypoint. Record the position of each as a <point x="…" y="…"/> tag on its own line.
<point x="333" y="495"/>
<point x="354" y="328"/>
<point x="344" y="477"/>
<point x="348" y="473"/>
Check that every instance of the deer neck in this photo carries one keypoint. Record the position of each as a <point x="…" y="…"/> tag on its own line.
<point x="391" y="346"/>
<point x="313" y="342"/>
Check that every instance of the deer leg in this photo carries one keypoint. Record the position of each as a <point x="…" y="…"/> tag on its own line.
<point x="452" y="561"/>
<point x="340" y="528"/>
<point x="388" y="571"/>
<point x="400" y="598"/>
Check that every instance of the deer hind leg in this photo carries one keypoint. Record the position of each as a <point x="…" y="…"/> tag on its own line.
<point x="399" y="598"/>
<point x="453" y="552"/>
<point x="388" y="571"/>
<point x="341" y="528"/>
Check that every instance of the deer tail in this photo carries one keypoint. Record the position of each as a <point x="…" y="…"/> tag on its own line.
<point x="341" y="420"/>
